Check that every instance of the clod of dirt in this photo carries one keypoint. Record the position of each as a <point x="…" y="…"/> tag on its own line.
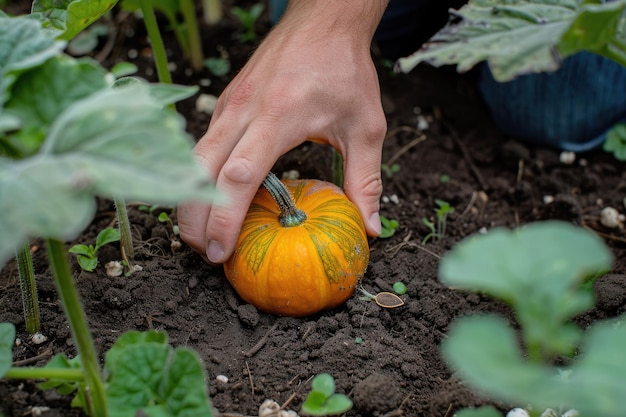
<point x="117" y="298"/>
<point x="377" y="394"/>
<point x="248" y="314"/>
<point x="610" y="292"/>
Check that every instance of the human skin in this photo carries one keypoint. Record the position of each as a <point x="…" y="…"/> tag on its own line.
<point x="311" y="79"/>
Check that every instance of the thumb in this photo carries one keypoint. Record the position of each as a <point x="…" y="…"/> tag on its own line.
<point x="363" y="184"/>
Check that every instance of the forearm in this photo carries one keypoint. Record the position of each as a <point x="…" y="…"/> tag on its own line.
<point x="355" y="18"/>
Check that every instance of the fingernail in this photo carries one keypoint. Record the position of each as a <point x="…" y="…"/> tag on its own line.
<point x="215" y="251"/>
<point x="375" y="223"/>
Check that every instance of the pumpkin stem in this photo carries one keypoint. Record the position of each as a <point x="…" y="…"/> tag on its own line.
<point x="290" y="215"/>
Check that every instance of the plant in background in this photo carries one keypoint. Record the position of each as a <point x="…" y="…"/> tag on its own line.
<point x="438" y="230"/>
<point x="399" y="288"/>
<point x="615" y="142"/>
<point x="322" y="400"/>
<point x="186" y="30"/>
<point x="390" y="171"/>
<point x="165" y="218"/>
<point x="87" y="142"/>
<point x="388" y="227"/>
<point x="540" y="270"/>
<point x="248" y="19"/>
<point x="87" y="255"/>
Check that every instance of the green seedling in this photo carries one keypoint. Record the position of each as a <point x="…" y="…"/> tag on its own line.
<point x="322" y="400"/>
<point x="248" y="19"/>
<point x="87" y="255"/>
<point x="532" y="36"/>
<point x="539" y="270"/>
<point x="390" y="171"/>
<point x="181" y="16"/>
<point x="165" y="218"/>
<point x="217" y="66"/>
<point x="615" y="142"/>
<point x="399" y="288"/>
<point x="388" y="227"/>
<point x="383" y="299"/>
<point x="87" y="41"/>
<point x="63" y="151"/>
<point x="444" y="178"/>
<point x="438" y="231"/>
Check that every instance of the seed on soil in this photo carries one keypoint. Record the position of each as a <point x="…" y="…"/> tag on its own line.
<point x="388" y="300"/>
<point x="609" y="217"/>
<point x="38" y="338"/>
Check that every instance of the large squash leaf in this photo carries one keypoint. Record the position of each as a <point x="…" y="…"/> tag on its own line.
<point x="524" y="36"/>
<point x="67" y="18"/>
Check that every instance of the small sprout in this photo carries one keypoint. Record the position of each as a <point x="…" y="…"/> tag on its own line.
<point x="248" y="20"/>
<point x="390" y="170"/>
<point x="389" y="227"/>
<point x="165" y="218"/>
<point x="383" y="299"/>
<point x="322" y="399"/>
<point x="87" y="254"/>
<point x="399" y="288"/>
<point x="444" y="178"/>
<point x="358" y="340"/>
<point x="149" y="209"/>
<point x="223" y="379"/>
<point x="609" y="217"/>
<point x="217" y="66"/>
<point x="38" y="338"/>
<point x="567" y="157"/>
<point x="438" y="231"/>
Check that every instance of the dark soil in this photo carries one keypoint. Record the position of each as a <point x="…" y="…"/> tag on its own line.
<point x="492" y="181"/>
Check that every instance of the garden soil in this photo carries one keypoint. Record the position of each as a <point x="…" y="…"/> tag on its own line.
<point x="387" y="360"/>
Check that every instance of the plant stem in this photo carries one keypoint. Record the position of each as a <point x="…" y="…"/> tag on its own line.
<point x="78" y="326"/>
<point x="290" y="215"/>
<point x="337" y="169"/>
<point x="33" y="372"/>
<point x="212" y="11"/>
<point x="158" y="49"/>
<point x="126" y="239"/>
<point x="29" y="289"/>
<point x="193" y="34"/>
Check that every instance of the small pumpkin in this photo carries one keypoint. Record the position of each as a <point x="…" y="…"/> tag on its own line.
<point x="302" y="248"/>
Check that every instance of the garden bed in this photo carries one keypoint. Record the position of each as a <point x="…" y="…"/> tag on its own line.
<point x="386" y="360"/>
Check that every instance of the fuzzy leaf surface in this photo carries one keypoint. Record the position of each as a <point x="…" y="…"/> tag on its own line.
<point x="524" y="36"/>
<point x="116" y="142"/>
<point x="67" y="18"/>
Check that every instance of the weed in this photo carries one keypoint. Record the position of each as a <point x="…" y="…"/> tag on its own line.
<point x="87" y="255"/>
<point x="388" y="227"/>
<point x="322" y="400"/>
<point x="438" y="231"/>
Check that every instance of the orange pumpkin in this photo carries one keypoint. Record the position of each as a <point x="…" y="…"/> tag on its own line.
<point x="302" y="248"/>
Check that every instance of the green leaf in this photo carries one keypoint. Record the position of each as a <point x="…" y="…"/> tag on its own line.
<point x="87" y="263"/>
<point x="107" y="235"/>
<point x="171" y="93"/>
<point x="217" y="66"/>
<point x="122" y="69"/>
<point x="85" y="250"/>
<point x="116" y="142"/>
<point x="41" y="94"/>
<point x="160" y="381"/>
<point x="67" y="18"/>
<point x="314" y="404"/>
<point x="323" y="383"/>
<point x="131" y="338"/>
<point x="338" y="404"/>
<point x="484" y="351"/>
<point x="538" y="269"/>
<point x="23" y="45"/>
<point x="615" y="142"/>
<point x="7" y="338"/>
<point x="524" y="36"/>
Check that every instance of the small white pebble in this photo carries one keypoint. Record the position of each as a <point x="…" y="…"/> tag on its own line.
<point x="384" y="199"/>
<point x="137" y="268"/>
<point x="171" y="66"/>
<point x="394" y="199"/>
<point x="483" y="230"/>
<point x="188" y="72"/>
<point x="609" y="217"/>
<point x="132" y="53"/>
<point x="547" y="199"/>
<point x="18" y="341"/>
<point x="517" y="412"/>
<point x="599" y="202"/>
<point x="222" y="378"/>
<point x="583" y="162"/>
<point x="38" y="338"/>
<point x="570" y="413"/>
<point x="422" y="123"/>
<point x="567" y="157"/>
<point x="38" y="410"/>
<point x="549" y="413"/>
<point x="205" y="103"/>
<point x="114" y="268"/>
<point x="204" y="82"/>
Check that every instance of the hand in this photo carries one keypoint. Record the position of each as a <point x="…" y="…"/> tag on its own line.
<point x="312" y="78"/>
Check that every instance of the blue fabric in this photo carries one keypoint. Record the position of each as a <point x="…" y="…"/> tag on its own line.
<point x="571" y="108"/>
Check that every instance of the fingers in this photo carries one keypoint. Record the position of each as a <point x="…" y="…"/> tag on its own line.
<point x="362" y="180"/>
